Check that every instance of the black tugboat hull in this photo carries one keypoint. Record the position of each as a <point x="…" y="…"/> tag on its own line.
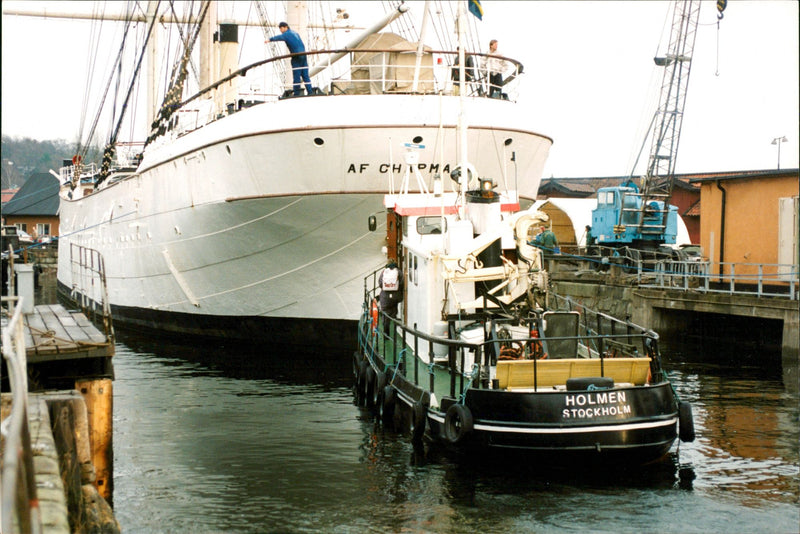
<point x="635" y="424"/>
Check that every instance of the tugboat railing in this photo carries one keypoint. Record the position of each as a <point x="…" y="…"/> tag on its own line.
<point x="602" y="334"/>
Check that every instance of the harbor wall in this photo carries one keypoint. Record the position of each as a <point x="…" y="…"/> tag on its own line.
<point x="768" y="321"/>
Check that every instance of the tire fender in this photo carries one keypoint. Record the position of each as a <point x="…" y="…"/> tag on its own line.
<point x="685" y="422"/>
<point x="369" y="386"/>
<point x="458" y="423"/>
<point x="377" y="388"/>
<point x="419" y="417"/>
<point x="388" y="406"/>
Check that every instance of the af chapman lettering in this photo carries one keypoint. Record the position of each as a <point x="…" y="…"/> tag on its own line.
<point x="599" y="404"/>
<point x="383" y="168"/>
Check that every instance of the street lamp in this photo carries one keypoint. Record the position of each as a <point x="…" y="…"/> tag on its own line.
<point x="778" y="141"/>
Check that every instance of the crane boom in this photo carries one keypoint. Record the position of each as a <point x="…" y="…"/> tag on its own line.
<point x="660" y="176"/>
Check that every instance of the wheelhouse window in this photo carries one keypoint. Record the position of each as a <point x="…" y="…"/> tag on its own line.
<point x="431" y="225"/>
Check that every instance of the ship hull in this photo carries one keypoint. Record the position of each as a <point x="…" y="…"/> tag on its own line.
<point x="235" y="220"/>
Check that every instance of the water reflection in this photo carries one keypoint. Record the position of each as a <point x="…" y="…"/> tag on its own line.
<point x="217" y="438"/>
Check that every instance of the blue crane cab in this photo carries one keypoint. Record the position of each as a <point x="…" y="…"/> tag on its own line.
<point x="621" y="219"/>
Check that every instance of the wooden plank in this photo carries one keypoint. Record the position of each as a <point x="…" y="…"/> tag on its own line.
<point x="53" y="322"/>
<point x="520" y="373"/>
<point x="40" y="341"/>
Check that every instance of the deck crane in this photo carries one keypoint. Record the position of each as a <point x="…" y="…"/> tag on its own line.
<point x="641" y="219"/>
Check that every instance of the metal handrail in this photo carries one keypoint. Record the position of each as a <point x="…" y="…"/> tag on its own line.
<point x="89" y="287"/>
<point x="595" y="330"/>
<point x="19" y="501"/>
<point x="757" y="279"/>
<point x="381" y="74"/>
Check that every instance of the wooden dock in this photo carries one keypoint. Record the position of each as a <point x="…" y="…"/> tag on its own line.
<point x="55" y="333"/>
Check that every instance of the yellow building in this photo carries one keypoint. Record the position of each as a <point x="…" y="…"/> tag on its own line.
<point x="750" y="217"/>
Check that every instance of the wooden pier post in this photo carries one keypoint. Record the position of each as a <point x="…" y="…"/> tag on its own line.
<point x="98" y="396"/>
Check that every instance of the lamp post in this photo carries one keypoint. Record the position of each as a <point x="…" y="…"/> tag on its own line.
<point x="778" y="141"/>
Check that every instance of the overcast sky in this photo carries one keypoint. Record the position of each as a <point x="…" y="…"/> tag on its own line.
<point x="590" y="83"/>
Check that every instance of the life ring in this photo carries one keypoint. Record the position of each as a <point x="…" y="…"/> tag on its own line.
<point x="377" y="388"/>
<point x="387" y="405"/>
<point x="537" y="353"/>
<point x="458" y="423"/>
<point x="418" y="419"/>
<point x="373" y="312"/>
<point x="685" y="422"/>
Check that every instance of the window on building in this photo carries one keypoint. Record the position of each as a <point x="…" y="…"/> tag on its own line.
<point x="43" y="229"/>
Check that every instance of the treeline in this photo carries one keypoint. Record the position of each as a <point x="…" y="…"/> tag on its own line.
<point x="23" y="156"/>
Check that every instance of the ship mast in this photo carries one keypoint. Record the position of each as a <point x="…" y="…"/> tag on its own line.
<point x="462" y="120"/>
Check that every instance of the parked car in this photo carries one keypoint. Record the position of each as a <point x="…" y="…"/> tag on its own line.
<point x="693" y="252"/>
<point x="24" y="237"/>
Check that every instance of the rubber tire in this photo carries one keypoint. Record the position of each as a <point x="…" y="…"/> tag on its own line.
<point x="458" y="423"/>
<point x="388" y="400"/>
<point x="685" y="422"/>
<point x="583" y="383"/>
<point x="361" y="381"/>
<point x="377" y="389"/>
<point x="419" y="417"/>
<point x="369" y="387"/>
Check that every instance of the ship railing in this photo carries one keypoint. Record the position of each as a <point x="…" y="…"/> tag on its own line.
<point x="18" y="497"/>
<point x="469" y="364"/>
<point x="86" y="173"/>
<point x="89" y="288"/>
<point x="345" y="71"/>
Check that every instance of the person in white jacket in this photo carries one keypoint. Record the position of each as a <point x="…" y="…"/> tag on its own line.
<point x="494" y="68"/>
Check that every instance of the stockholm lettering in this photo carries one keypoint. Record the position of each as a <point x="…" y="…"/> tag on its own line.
<point x="600" y="404"/>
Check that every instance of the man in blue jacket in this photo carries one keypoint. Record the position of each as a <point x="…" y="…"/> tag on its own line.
<point x="299" y="62"/>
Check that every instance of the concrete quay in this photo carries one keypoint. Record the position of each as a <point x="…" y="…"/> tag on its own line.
<point x="670" y="312"/>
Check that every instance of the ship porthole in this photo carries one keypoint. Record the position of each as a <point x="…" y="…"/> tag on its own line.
<point x="319" y="141"/>
<point x="508" y="141"/>
<point x="228" y="148"/>
<point x="417" y="140"/>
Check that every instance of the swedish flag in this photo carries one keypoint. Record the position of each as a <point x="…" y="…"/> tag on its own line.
<point x="475" y="8"/>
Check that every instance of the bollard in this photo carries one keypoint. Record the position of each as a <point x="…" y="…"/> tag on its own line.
<point x="24" y="273"/>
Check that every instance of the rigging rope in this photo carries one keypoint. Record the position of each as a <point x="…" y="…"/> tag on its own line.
<point x="172" y="98"/>
<point x="110" y="149"/>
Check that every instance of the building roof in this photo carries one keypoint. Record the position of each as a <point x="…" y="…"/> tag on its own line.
<point x="739" y="175"/>
<point x="8" y="194"/>
<point x="587" y="187"/>
<point x="38" y="196"/>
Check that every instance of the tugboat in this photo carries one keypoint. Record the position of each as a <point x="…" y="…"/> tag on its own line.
<point x="483" y="356"/>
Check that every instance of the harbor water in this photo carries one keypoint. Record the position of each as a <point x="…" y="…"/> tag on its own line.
<point x="212" y="438"/>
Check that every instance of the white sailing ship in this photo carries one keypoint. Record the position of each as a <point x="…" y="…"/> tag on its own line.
<point x="245" y="214"/>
